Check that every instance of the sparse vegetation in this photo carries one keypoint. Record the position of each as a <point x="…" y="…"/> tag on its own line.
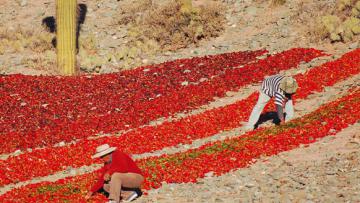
<point x="278" y="2"/>
<point x="168" y="26"/>
<point x="177" y="25"/>
<point x="18" y="40"/>
<point x="342" y="24"/>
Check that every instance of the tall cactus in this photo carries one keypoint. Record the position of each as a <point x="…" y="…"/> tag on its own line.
<point x="66" y="36"/>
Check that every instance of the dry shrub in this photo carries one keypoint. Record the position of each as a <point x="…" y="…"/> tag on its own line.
<point x="173" y="29"/>
<point x="344" y="8"/>
<point x="131" y="11"/>
<point x="18" y="40"/>
<point x="339" y="23"/>
<point x="44" y="61"/>
<point x="277" y="2"/>
<point x="309" y="14"/>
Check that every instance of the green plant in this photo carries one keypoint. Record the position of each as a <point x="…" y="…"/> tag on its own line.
<point x="356" y="9"/>
<point x="186" y="6"/>
<point x="343" y="4"/>
<point x="330" y="24"/>
<point x="351" y="28"/>
<point x="344" y="25"/>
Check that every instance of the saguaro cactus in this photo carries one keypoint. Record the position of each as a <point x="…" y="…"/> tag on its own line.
<point x="66" y="36"/>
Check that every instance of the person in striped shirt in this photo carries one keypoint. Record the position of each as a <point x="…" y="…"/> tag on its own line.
<point x="281" y="88"/>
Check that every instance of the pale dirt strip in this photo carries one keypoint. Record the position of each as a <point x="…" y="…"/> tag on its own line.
<point x="302" y="107"/>
<point x="230" y="98"/>
<point x="325" y="171"/>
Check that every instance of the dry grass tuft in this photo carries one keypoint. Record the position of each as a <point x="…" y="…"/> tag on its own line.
<point x="19" y="40"/>
<point x="160" y="26"/>
<point x="336" y="21"/>
<point x="172" y="28"/>
<point x="131" y="12"/>
<point x="277" y="2"/>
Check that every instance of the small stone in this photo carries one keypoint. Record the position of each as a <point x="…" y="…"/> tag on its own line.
<point x="352" y="144"/>
<point x="252" y="10"/>
<point x="17" y="152"/>
<point x="255" y="44"/>
<point x="354" y="45"/>
<point x="107" y="69"/>
<point x="62" y="143"/>
<point x="22" y="3"/>
<point x="185" y="83"/>
<point x="168" y="53"/>
<point x="249" y="185"/>
<point x="332" y="131"/>
<point x="209" y="174"/>
<point x="73" y="172"/>
<point x="112" y="6"/>
<point x="187" y="71"/>
<point x="97" y="69"/>
<point x="203" y="79"/>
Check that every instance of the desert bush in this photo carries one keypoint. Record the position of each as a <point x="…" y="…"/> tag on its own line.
<point x="176" y="25"/>
<point x="160" y="26"/>
<point x="130" y="12"/>
<point x="41" y="61"/>
<point x="277" y="2"/>
<point x="342" y="24"/>
<point x="18" y="40"/>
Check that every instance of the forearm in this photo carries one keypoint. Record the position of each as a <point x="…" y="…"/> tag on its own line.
<point x="280" y="112"/>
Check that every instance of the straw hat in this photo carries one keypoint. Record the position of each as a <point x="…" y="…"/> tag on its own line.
<point x="288" y="85"/>
<point x="103" y="150"/>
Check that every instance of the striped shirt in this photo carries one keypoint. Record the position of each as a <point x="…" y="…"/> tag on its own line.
<point x="271" y="87"/>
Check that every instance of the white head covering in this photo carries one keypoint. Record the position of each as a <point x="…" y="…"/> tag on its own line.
<point x="103" y="150"/>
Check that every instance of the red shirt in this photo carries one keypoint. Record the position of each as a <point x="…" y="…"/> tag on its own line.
<point x="120" y="163"/>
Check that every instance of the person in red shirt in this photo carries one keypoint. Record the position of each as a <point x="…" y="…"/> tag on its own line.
<point x="119" y="171"/>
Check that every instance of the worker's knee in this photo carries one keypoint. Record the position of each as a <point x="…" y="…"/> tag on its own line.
<point x="116" y="177"/>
